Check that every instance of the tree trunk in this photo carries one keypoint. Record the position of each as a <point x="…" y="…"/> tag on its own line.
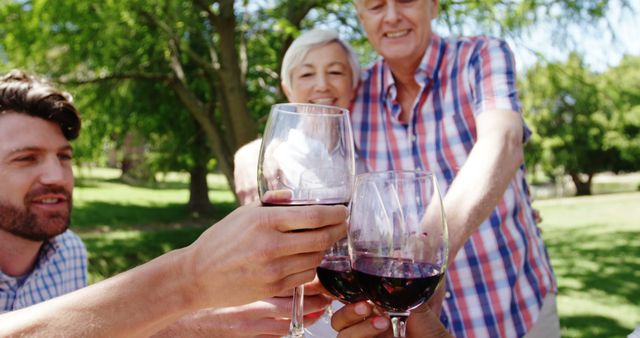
<point x="583" y="187"/>
<point x="199" y="202"/>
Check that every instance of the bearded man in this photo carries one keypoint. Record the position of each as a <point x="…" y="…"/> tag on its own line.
<point x="39" y="257"/>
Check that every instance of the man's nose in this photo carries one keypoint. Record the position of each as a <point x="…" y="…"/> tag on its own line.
<point x="54" y="171"/>
<point x="391" y="15"/>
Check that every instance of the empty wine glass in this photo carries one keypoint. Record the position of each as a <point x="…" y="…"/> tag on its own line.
<point x="398" y="240"/>
<point x="306" y="158"/>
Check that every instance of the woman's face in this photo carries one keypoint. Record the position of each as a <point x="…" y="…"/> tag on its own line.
<point x="323" y="77"/>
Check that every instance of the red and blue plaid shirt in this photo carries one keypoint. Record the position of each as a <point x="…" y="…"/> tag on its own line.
<point x="498" y="280"/>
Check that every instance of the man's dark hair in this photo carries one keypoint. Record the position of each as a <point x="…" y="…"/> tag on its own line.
<point x="27" y="94"/>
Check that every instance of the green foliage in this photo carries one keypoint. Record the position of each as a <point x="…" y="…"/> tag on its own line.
<point x="622" y="94"/>
<point x="584" y="123"/>
<point x="172" y="69"/>
<point x="500" y="17"/>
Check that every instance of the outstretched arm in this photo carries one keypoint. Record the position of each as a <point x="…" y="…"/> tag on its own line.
<point x="481" y="182"/>
<point x="251" y="254"/>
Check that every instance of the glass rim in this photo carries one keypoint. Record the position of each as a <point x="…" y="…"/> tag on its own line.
<point x="339" y="110"/>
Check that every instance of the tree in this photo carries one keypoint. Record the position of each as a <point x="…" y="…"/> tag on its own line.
<point x="218" y="59"/>
<point x="581" y="130"/>
<point x="619" y="86"/>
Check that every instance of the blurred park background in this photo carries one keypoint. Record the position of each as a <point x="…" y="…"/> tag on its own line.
<point x="168" y="91"/>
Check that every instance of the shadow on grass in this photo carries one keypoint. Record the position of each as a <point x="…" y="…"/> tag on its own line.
<point x="110" y="254"/>
<point x="608" y="263"/>
<point x="592" y="327"/>
<point x="92" y="215"/>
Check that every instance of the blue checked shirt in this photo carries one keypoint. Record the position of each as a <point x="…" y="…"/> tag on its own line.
<point x="61" y="268"/>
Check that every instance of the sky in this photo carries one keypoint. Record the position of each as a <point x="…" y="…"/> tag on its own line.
<point x="600" y="49"/>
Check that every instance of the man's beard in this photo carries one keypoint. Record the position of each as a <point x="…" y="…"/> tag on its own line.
<point x="34" y="226"/>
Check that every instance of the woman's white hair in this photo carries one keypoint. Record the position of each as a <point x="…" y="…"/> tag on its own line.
<point x="312" y="39"/>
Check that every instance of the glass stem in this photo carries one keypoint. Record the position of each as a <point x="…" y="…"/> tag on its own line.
<point x="296" y="329"/>
<point x="399" y="324"/>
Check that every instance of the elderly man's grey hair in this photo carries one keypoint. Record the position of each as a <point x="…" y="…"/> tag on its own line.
<point x="313" y="39"/>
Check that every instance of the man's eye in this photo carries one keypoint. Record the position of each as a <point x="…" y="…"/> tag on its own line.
<point x="374" y="6"/>
<point x="306" y="74"/>
<point x="65" y="157"/>
<point x="28" y="158"/>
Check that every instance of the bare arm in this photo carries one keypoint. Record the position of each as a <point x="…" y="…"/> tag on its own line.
<point x="121" y="304"/>
<point x="265" y="318"/>
<point x="481" y="182"/>
<point x="251" y="254"/>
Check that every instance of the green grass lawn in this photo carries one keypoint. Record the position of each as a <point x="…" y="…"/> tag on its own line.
<point x="124" y="225"/>
<point x="594" y="242"/>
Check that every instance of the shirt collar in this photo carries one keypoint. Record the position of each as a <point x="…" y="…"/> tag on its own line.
<point x="428" y="65"/>
<point x="47" y="250"/>
<point x="426" y="70"/>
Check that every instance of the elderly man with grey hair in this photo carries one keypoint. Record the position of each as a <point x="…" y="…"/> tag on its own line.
<point x="450" y="106"/>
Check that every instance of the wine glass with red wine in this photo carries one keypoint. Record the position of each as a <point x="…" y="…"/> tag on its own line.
<point x="336" y="275"/>
<point x="398" y="240"/>
<point x="306" y="158"/>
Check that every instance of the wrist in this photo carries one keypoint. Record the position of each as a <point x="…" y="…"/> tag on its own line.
<point x="183" y="271"/>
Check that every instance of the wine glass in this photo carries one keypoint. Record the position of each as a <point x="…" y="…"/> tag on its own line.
<point x="306" y="158"/>
<point x="398" y="240"/>
<point x="336" y="275"/>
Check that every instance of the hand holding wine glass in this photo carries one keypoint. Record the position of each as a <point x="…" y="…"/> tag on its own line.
<point x="398" y="240"/>
<point x="306" y="158"/>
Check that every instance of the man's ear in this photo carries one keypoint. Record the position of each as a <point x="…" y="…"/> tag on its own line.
<point x="286" y="90"/>
<point x="435" y="9"/>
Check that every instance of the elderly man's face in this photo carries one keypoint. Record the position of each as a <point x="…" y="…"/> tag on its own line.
<point x="399" y="30"/>
<point x="36" y="177"/>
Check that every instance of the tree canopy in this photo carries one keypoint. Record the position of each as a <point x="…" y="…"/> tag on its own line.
<point x="584" y="122"/>
<point x="174" y="68"/>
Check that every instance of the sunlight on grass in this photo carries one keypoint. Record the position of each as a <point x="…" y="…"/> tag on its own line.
<point x="116" y="251"/>
<point x="100" y="201"/>
<point x="617" y="210"/>
<point x="594" y="245"/>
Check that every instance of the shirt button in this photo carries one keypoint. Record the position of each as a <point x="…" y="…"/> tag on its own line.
<point x="447" y="295"/>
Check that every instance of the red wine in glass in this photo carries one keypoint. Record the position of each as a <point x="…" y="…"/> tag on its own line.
<point x="398" y="239"/>
<point x="336" y="276"/>
<point x="412" y="285"/>
<point x="306" y="158"/>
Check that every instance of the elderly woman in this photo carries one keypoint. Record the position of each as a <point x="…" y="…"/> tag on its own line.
<point x="317" y="68"/>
